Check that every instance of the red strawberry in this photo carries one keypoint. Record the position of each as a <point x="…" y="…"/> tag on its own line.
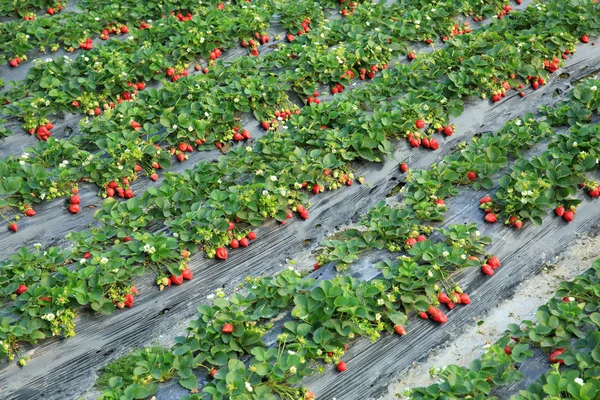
<point x="124" y="29"/>
<point x="154" y="177"/>
<point x="213" y="372"/>
<point x="187" y="274"/>
<point x="244" y="242"/>
<point x="471" y="175"/>
<point x="560" y="211"/>
<point x="399" y="329"/>
<point x="227" y="328"/>
<point x="304" y="214"/>
<point x="568" y="216"/>
<point x="494" y="262"/>
<point x="21" y="289"/>
<point x="496" y="98"/>
<point x="423" y="315"/>
<point x="487" y="269"/>
<point x="553" y="356"/>
<point x="176" y="280"/>
<point x="185" y="253"/>
<point x="485" y="199"/>
<point x="75" y="199"/>
<point x="129" y="300"/>
<point x="316" y="188"/>
<point x="443" y="298"/>
<point x="507" y="350"/>
<point x="420" y="123"/>
<point x="74" y="208"/>
<point x="411" y="56"/>
<point x="341" y="366"/>
<point x="518" y="224"/>
<point x="448" y="131"/>
<point x="221" y="253"/>
<point x="585" y="39"/>
<point x="421" y="238"/>
<point x="440" y="317"/>
<point x="451" y="305"/>
<point x="30" y="212"/>
<point x="491" y="218"/>
<point x="464" y="298"/>
<point x="87" y="255"/>
<point x="246" y="134"/>
<point x="127" y="239"/>
<point x="410" y="242"/>
<point x="404" y="167"/>
<point x="251" y="235"/>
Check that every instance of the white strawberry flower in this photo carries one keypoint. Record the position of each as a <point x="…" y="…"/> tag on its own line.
<point x="377" y="317"/>
<point x="430" y="274"/>
<point x="571" y="298"/>
<point x="319" y="352"/>
<point x="292" y="370"/>
<point x="518" y="122"/>
<point x="210" y="296"/>
<point x="265" y="192"/>
<point x="380" y="302"/>
<point x="579" y="381"/>
<point x="104" y="260"/>
<point x="273" y="178"/>
<point x="37" y="245"/>
<point x="190" y="129"/>
<point x="174" y="126"/>
<point x="249" y="387"/>
<point x="464" y="256"/>
<point x="83" y="261"/>
<point x="202" y="39"/>
<point x="445" y="254"/>
<point x="594" y="88"/>
<point x="477" y="233"/>
<point x="290" y="352"/>
<point x="249" y="149"/>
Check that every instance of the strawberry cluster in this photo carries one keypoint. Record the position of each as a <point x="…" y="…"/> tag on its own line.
<point x="113" y="30"/>
<point x="492" y="264"/>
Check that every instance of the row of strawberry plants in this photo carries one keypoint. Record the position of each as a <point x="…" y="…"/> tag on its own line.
<point x="401" y="119"/>
<point x="109" y="275"/>
<point x="566" y="328"/>
<point x="52" y="79"/>
<point x="27" y="8"/>
<point x="69" y="30"/>
<point x="427" y="190"/>
<point x="226" y="339"/>
<point x="527" y="192"/>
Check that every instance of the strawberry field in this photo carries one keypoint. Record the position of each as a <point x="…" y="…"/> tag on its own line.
<point x="264" y="199"/>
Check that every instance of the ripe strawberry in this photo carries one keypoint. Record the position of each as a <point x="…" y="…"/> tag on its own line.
<point x="585" y="39"/>
<point x="21" y="289"/>
<point x="30" y="212"/>
<point x="120" y="305"/>
<point x="304" y="214"/>
<point x="316" y="266"/>
<point x="494" y="262"/>
<point x="74" y="208"/>
<point x="124" y="29"/>
<point x="399" y="329"/>
<point x="75" y="199"/>
<point x="244" y="242"/>
<point x="246" y="134"/>
<point x="443" y="298"/>
<point x="423" y="315"/>
<point x="420" y="123"/>
<point x="13" y="63"/>
<point x="433" y="144"/>
<point x="187" y="274"/>
<point x="404" y="167"/>
<point x="411" y="56"/>
<point x="221" y="253"/>
<point x="487" y="269"/>
<point x="553" y="356"/>
<point x="316" y="188"/>
<point x="176" y="280"/>
<point x="485" y="199"/>
<point x="496" y="98"/>
<point x="440" y="317"/>
<point x="341" y="366"/>
<point x="127" y="239"/>
<point x="181" y="157"/>
<point x="134" y="290"/>
<point x="448" y="131"/>
<point x="491" y="218"/>
<point x="251" y="235"/>
<point x="128" y="193"/>
<point x="471" y="175"/>
<point x="450" y="305"/>
<point x="518" y="224"/>
<point x="213" y="372"/>
<point x="410" y="242"/>
<point x="227" y="328"/>
<point x="568" y="216"/>
<point x="421" y="238"/>
<point x="231" y="226"/>
<point x="154" y="177"/>
<point x="234" y="244"/>
<point x="464" y="298"/>
<point x="560" y="211"/>
<point x="309" y="395"/>
<point x="129" y="300"/>
<point x="87" y="255"/>
<point x="507" y="350"/>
